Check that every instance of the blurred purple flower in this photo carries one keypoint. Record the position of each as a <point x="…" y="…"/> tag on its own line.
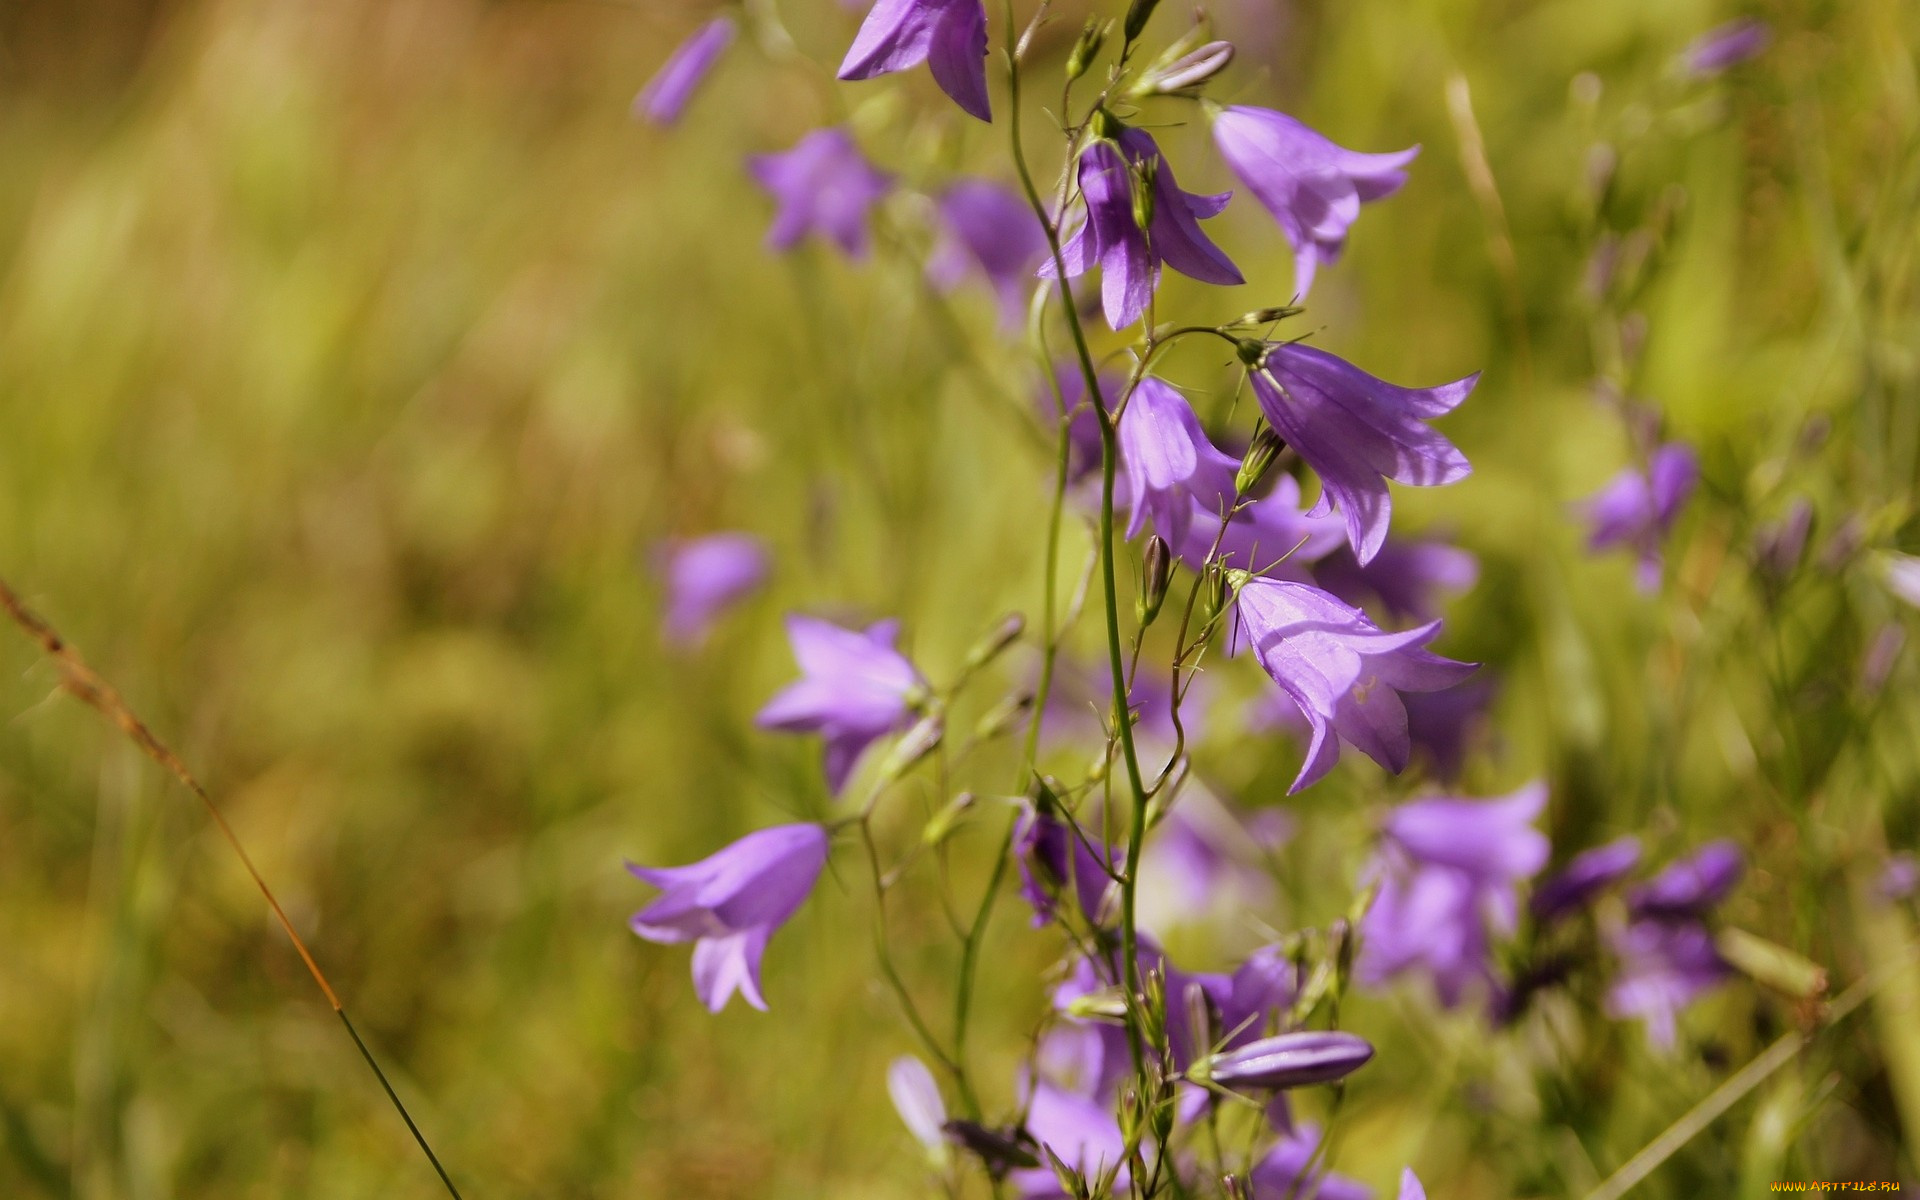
<point x="1357" y="432"/>
<point x="950" y="36"/>
<point x="1051" y="859"/>
<point x="1111" y="239"/>
<point x="1664" y="966"/>
<point x="1442" y="724"/>
<point x="1585" y="877"/>
<point x="1312" y="187"/>
<point x="1900" y="879"/>
<point x="855" y="689"/>
<point x="822" y="186"/>
<point x="1780" y="546"/>
<point x="1405" y="579"/>
<point x="1410" y="1188"/>
<point x="1083" y="431"/>
<point x="665" y="96"/>
<point x="704" y="577"/>
<point x="1448" y="871"/>
<point x="1342" y="670"/>
<point x="986" y="227"/>
<point x="729" y="904"/>
<point x="1082" y="1132"/>
<point x="1903" y="577"/>
<point x="1691" y="887"/>
<point x="916" y="1097"/>
<point x="1172" y="466"/>
<point x="1726" y="46"/>
<point x="1203" y="859"/>
<point x="1267" y="982"/>
<point x="1290" y="1170"/>
<point x="1637" y="510"/>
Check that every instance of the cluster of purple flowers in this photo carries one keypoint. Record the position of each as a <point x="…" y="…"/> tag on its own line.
<point x="1335" y="608"/>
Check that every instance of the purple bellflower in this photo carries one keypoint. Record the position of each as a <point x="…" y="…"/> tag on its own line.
<point x="1357" y="432"/>
<point x="1899" y="879"/>
<point x="729" y="904"/>
<point x="1111" y="239"/>
<point x="1205" y="861"/>
<point x="1312" y="187"/>
<point x="985" y="227"/>
<point x="1726" y="46"/>
<point x="1267" y="536"/>
<point x="1343" y="672"/>
<point x="1083" y="429"/>
<point x="855" y="689"/>
<point x="706" y="576"/>
<point x="1291" y="1169"/>
<point x="1903" y="576"/>
<point x="1052" y="858"/>
<point x="1637" y="510"/>
<point x="1590" y="873"/>
<point x="1289" y="1060"/>
<point x="665" y="96"/>
<point x="1663" y="967"/>
<point x="823" y="186"/>
<point x="1171" y="465"/>
<point x="1410" y="1188"/>
<point x="950" y="36"/>
<point x="1404" y="580"/>
<point x="1080" y="1131"/>
<point x="1448" y="871"/>
<point x="1441" y="725"/>
<point x="1667" y="956"/>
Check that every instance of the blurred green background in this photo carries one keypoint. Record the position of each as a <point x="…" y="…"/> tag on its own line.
<point x="354" y="355"/>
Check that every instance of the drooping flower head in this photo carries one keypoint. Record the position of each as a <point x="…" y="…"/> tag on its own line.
<point x="1404" y="581"/>
<point x="1637" y="509"/>
<point x="1448" y="871"/>
<point x="1312" y="187"/>
<point x="1667" y="957"/>
<point x="1111" y="239"/>
<point x="1691" y="888"/>
<point x="1171" y="465"/>
<point x="823" y="186"/>
<point x="1726" y="46"/>
<point x="1053" y="861"/>
<point x="985" y="227"/>
<point x="950" y="36"/>
<point x="729" y="904"/>
<point x="1343" y="672"/>
<point x="1083" y="429"/>
<point x="704" y="577"/>
<point x="1267" y="536"/>
<point x="855" y="689"/>
<point x="1357" y="432"/>
<point x="665" y="96"/>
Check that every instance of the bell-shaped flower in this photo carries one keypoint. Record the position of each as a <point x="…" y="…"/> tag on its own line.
<point x="822" y="186"/>
<point x="986" y="228"/>
<point x="1726" y="46"/>
<point x="1129" y="258"/>
<point x="855" y="689"/>
<point x="665" y="96"/>
<point x="1312" y="187"/>
<point x="1664" y="966"/>
<point x="1410" y="1188"/>
<point x="1357" y="432"/>
<point x="1443" y="724"/>
<point x="1171" y="465"/>
<point x="1288" y="1060"/>
<point x="706" y="576"/>
<point x="950" y="36"/>
<point x="1636" y="508"/>
<point x="1448" y="872"/>
<point x="1204" y="861"/>
<point x="1054" y="860"/>
<point x="1081" y="1132"/>
<point x="1267" y="536"/>
<point x="1692" y="887"/>
<point x="729" y="904"/>
<point x="1343" y="672"/>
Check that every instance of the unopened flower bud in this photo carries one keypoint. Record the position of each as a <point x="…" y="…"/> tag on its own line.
<point x="1772" y="964"/>
<point x="1107" y="1004"/>
<point x="1138" y="14"/>
<point x="1004" y="716"/>
<point x="1145" y="173"/>
<point x="1288" y="1061"/>
<point x="1260" y="456"/>
<point x="1155" y="568"/>
<point x="1188" y="71"/>
<point x="1215" y="593"/>
<point x="1780" y="545"/>
<point x="948" y="819"/>
<point x="914" y="745"/>
<point x="1267" y="316"/>
<point x="1087" y="47"/>
<point x="1882" y="654"/>
<point x="988" y="648"/>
